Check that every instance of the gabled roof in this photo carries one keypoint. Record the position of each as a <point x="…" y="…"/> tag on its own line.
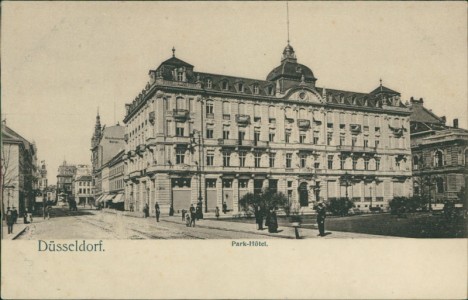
<point x="421" y="114"/>
<point x="174" y="61"/>
<point x="10" y="135"/>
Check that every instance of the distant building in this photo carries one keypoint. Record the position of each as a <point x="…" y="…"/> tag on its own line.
<point x="106" y="142"/>
<point x="83" y="191"/>
<point x="439" y="156"/>
<point x="211" y="138"/>
<point x="65" y="176"/>
<point x="19" y="175"/>
<point x="51" y="193"/>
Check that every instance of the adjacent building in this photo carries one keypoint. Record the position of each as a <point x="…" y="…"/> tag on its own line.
<point x="439" y="156"/>
<point x="195" y="136"/>
<point x="106" y="143"/>
<point x="19" y="173"/>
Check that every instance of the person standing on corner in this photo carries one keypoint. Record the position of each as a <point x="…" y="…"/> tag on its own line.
<point x="321" y="213"/>
<point x="217" y="212"/>
<point x="192" y="215"/>
<point x="146" y="210"/>
<point x="158" y="211"/>
<point x="273" y="224"/>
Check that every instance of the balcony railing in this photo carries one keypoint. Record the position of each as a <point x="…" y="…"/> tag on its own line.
<point x="243" y="119"/>
<point x="303" y="124"/>
<point x="356" y="149"/>
<point x="379" y="199"/>
<point x="248" y="143"/>
<point x="177" y="83"/>
<point x="140" y="149"/>
<point x="229" y="143"/>
<point x="262" y="144"/>
<point x="180" y="114"/>
<point x="134" y="174"/>
<point x="368" y="199"/>
<point x="355" y="128"/>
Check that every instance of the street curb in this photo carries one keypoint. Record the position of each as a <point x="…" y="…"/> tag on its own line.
<point x="20" y="232"/>
<point x="244" y="231"/>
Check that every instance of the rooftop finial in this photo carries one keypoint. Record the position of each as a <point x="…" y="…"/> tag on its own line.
<point x="287" y="17"/>
<point x="173" y="51"/>
<point x="380" y="81"/>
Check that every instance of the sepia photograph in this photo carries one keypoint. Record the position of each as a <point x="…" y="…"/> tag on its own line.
<point x="258" y="125"/>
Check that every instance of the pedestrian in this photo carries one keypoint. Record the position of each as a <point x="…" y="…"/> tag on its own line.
<point x="273" y="224"/>
<point x="171" y="210"/>
<point x="49" y="209"/>
<point x="188" y="222"/>
<point x="15" y="214"/>
<point x="197" y="212"/>
<point x="200" y="210"/>
<point x="259" y="217"/>
<point x="183" y="214"/>
<point x="131" y="206"/>
<point x="192" y="215"/>
<point x="146" y="210"/>
<point x="217" y="212"/>
<point x="9" y="220"/>
<point x="224" y="207"/>
<point x="157" y="210"/>
<point x="321" y="213"/>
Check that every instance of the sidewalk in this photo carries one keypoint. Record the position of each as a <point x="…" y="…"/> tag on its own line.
<point x="18" y="229"/>
<point x="284" y="232"/>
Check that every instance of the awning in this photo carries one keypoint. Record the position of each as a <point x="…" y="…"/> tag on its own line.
<point x="99" y="198"/>
<point x="118" y="198"/>
<point x="108" y="197"/>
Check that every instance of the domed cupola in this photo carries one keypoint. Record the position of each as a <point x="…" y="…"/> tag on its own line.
<point x="290" y="73"/>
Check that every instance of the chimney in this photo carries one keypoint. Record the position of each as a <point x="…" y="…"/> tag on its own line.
<point x="455" y="123"/>
<point x="444" y="119"/>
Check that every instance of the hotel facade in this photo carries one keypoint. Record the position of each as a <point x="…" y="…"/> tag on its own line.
<point x="193" y="136"/>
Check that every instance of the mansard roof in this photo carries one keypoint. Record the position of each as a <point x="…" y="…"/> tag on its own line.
<point x="384" y="90"/>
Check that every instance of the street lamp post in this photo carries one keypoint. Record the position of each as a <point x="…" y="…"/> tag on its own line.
<point x="200" y="197"/>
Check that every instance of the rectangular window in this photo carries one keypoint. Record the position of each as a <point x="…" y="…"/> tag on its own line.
<point x="255" y="89"/>
<point x="342" y="162"/>
<point x="377" y="164"/>
<point x="180" y="156"/>
<point x="329" y="138"/>
<point x="210" y="158"/>
<point x="342" y="140"/>
<point x="330" y="125"/>
<point x="354" y="163"/>
<point x="226" y="111"/>
<point x="330" y="162"/>
<point x="257" y="158"/>
<point x="342" y="126"/>
<point x="209" y="133"/>
<point x="256" y="135"/>
<point x="227" y="183"/>
<point x="243" y="183"/>
<point x="272" y="160"/>
<point x="377" y="129"/>
<point x="353" y="141"/>
<point x="377" y="142"/>
<point x="290" y="184"/>
<point x="317" y="165"/>
<point x="226" y="159"/>
<point x="302" y="138"/>
<point x="303" y="158"/>
<point x="315" y="138"/>
<point x="366" y="163"/>
<point x="271" y="136"/>
<point x="366" y="143"/>
<point x="210" y="183"/>
<point x="271" y="115"/>
<point x="209" y="110"/>
<point x="288" y="160"/>
<point x="241" y="135"/>
<point x="242" y="156"/>
<point x="287" y="136"/>
<point x="180" y="129"/>
<point x="226" y="133"/>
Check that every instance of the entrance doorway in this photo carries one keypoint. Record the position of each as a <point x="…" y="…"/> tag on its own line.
<point x="303" y="194"/>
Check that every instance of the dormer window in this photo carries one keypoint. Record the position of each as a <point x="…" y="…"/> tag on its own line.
<point x="240" y="87"/>
<point x="256" y="89"/>
<point x="209" y="83"/>
<point x="225" y="85"/>
<point x="270" y="90"/>
<point x="180" y="76"/>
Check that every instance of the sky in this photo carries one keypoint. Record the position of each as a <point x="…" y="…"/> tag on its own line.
<point x="63" y="60"/>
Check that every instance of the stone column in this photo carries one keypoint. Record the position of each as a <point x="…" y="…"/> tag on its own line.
<point x="235" y="194"/>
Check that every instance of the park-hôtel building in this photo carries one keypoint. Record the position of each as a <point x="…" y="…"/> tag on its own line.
<point x="194" y="136"/>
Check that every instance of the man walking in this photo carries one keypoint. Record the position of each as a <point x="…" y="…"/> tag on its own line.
<point x="9" y="220"/>
<point x="321" y="212"/>
<point x="192" y="215"/>
<point x="15" y="214"/>
<point x="157" y="210"/>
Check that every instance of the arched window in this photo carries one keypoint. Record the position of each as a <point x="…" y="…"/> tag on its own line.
<point x="438" y="159"/>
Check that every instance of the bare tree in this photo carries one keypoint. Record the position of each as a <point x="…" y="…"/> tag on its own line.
<point x="8" y="170"/>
